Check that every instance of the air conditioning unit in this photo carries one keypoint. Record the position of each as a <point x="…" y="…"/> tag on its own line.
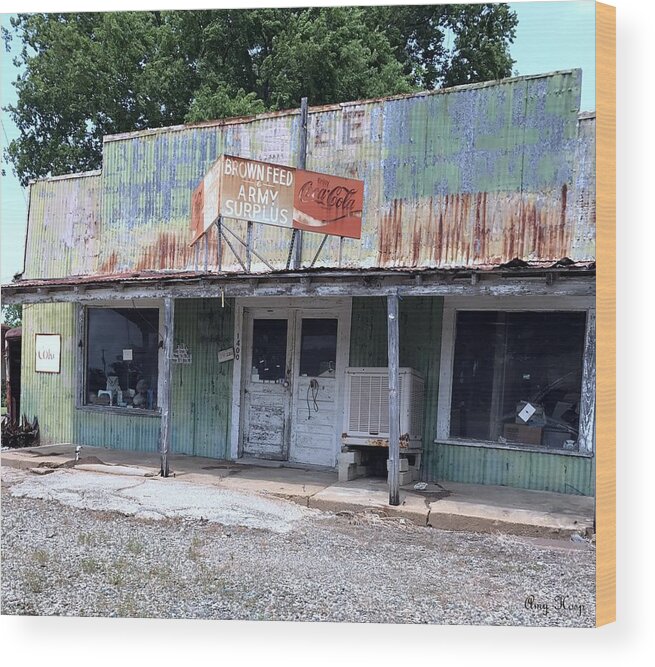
<point x="367" y="408"/>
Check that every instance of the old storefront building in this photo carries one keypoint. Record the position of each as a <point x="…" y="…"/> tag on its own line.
<point x="469" y="285"/>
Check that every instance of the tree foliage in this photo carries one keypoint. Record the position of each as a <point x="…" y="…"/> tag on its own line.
<point x="12" y="316"/>
<point x="90" y="74"/>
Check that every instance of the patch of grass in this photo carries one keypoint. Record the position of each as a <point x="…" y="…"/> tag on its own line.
<point x="41" y="557"/>
<point x="127" y="608"/>
<point x="194" y="552"/>
<point x="162" y="573"/>
<point x="210" y="579"/>
<point x="92" y="539"/>
<point x="86" y="539"/>
<point x="89" y="565"/>
<point x="134" y="546"/>
<point x="118" y="572"/>
<point x="35" y="581"/>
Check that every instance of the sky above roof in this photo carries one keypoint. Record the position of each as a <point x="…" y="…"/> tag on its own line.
<point x="550" y="36"/>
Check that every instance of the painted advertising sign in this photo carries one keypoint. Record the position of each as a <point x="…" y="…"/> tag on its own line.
<point x="273" y="194"/>
<point x="328" y="204"/>
<point x="47" y="353"/>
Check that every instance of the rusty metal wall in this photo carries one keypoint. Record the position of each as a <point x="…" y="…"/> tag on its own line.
<point x="465" y="177"/>
<point x="63" y="237"/>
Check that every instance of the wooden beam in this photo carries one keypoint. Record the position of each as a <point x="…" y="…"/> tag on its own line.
<point x="219" y="244"/>
<point x="393" y="476"/>
<point x="166" y="386"/>
<point x="301" y="164"/>
<point x="249" y="246"/>
<point x="327" y="284"/>
<point x="80" y="354"/>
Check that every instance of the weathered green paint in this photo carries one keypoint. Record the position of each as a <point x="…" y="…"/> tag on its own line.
<point x="420" y="344"/>
<point x="202" y="394"/>
<point x="526" y="470"/>
<point x="420" y="348"/>
<point x="136" y="433"/>
<point x="49" y="397"/>
<point x="202" y="390"/>
<point x="368" y="337"/>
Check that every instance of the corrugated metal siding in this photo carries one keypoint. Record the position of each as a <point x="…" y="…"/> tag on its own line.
<point x="471" y="176"/>
<point x="368" y="332"/>
<point x="118" y="431"/>
<point x="50" y="397"/>
<point x="527" y="470"/>
<point x="63" y="220"/>
<point x="202" y="390"/>
<point x="420" y="348"/>
<point x="583" y="207"/>
<point x="420" y="345"/>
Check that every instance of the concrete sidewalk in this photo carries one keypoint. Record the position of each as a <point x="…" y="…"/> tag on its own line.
<point x="447" y="505"/>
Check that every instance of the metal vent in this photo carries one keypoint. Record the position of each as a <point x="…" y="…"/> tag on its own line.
<point x="367" y="402"/>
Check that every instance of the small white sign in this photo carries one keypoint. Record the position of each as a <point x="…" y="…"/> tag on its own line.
<point x="47" y="353"/>
<point x="226" y="355"/>
<point x="127" y="355"/>
<point x="527" y="412"/>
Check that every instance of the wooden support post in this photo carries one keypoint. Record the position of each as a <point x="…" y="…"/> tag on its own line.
<point x="301" y="164"/>
<point x="393" y="475"/>
<point x="249" y="246"/>
<point x="166" y="386"/>
<point x="81" y="354"/>
<point x="219" y="247"/>
<point x="206" y="242"/>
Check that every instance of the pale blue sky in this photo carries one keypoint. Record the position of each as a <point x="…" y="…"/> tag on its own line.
<point x="550" y="36"/>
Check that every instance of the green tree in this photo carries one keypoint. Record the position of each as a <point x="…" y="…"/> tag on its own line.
<point x="87" y="75"/>
<point x="12" y="315"/>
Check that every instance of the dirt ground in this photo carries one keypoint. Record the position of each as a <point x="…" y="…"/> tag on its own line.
<point x="75" y="561"/>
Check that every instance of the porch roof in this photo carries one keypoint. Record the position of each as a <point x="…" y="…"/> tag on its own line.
<point x="562" y="278"/>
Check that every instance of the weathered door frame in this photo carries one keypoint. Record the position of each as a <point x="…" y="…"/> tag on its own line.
<point x="283" y="393"/>
<point x="340" y="307"/>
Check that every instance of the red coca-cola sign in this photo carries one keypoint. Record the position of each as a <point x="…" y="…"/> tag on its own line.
<point x="328" y="204"/>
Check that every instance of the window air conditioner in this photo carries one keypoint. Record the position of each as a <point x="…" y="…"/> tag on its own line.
<point x="366" y="404"/>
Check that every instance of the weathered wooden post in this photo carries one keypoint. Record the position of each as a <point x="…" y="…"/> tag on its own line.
<point x="166" y="386"/>
<point x="301" y="164"/>
<point x="393" y="476"/>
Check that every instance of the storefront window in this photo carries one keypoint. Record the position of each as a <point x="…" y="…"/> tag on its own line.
<point x="122" y="350"/>
<point x="517" y="377"/>
<point x="269" y="350"/>
<point x="318" y="350"/>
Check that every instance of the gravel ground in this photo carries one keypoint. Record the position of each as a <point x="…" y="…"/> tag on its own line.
<point x="61" y="560"/>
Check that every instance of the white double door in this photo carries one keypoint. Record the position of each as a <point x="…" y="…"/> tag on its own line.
<point x="292" y="376"/>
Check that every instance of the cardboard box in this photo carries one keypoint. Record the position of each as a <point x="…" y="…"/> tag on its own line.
<point x="527" y="435"/>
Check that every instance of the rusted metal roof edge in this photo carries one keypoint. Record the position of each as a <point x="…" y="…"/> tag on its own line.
<point x="578" y="268"/>
<point x="329" y="107"/>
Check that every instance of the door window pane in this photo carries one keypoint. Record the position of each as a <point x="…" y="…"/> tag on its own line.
<point x="122" y="353"/>
<point x="318" y="348"/>
<point x="517" y="377"/>
<point x="269" y="350"/>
